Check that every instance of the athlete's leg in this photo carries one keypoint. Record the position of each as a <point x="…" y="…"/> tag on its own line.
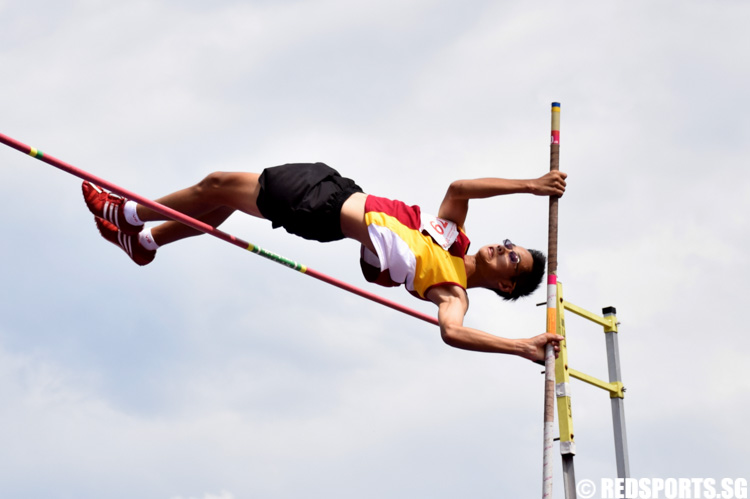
<point x="211" y="201"/>
<point x="139" y="247"/>
<point x="219" y="190"/>
<point x="171" y="231"/>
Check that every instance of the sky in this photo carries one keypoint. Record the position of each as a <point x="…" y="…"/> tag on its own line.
<point x="214" y="374"/>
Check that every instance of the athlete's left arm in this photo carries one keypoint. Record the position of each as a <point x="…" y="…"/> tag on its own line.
<point x="452" y="306"/>
<point x="455" y="204"/>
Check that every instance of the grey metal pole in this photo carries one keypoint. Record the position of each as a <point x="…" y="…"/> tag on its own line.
<point x="618" y="404"/>
<point x="569" y="476"/>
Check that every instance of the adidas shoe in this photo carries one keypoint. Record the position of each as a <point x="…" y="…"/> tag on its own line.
<point x="109" y="207"/>
<point x="128" y="242"/>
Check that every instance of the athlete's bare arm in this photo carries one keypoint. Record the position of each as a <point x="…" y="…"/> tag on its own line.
<point x="455" y="205"/>
<point x="452" y="305"/>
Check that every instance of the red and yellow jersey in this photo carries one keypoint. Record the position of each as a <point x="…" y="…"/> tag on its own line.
<point x="412" y="248"/>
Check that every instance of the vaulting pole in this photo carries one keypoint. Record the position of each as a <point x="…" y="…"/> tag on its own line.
<point x="203" y="227"/>
<point x="549" y="358"/>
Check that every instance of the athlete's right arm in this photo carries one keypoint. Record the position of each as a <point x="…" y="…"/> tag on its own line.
<point x="455" y="204"/>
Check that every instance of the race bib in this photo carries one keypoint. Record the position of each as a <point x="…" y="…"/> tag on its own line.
<point x="444" y="232"/>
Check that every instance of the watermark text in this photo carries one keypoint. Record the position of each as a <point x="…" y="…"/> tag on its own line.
<point x="663" y="488"/>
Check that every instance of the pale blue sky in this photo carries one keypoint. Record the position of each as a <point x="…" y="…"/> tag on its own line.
<point x="212" y="373"/>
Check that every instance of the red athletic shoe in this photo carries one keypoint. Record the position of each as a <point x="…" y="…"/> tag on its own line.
<point x="128" y="242"/>
<point x="109" y="207"/>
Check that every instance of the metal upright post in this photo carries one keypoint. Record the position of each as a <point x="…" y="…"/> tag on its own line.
<point x="617" y="401"/>
<point x="564" y="408"/>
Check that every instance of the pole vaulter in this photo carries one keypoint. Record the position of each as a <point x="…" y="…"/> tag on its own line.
<point x="203" y="227"/>
<point x="400" y="244"/>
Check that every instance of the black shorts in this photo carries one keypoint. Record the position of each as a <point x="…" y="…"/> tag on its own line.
<point x="305" y="199"/>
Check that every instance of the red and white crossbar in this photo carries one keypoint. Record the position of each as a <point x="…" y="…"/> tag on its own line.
<point x="203" y="227"/>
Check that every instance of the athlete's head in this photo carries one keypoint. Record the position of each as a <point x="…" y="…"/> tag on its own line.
<point x="527" y="282"/>
<point x="511" y="271"/>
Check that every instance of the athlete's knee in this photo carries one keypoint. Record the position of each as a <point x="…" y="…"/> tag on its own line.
<point x="213" y="181"/>
<point x="236" y="189"/>
<point x="214" y="184"/>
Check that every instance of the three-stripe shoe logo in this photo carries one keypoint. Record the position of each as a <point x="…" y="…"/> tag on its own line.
<point x="126" y="242"/>
<point x="110" y="212"/>
<point x="107" y="206"/>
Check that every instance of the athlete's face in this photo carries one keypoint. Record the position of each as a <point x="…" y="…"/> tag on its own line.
<point x="505" y="262"/>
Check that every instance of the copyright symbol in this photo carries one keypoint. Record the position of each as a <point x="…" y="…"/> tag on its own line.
<point x="586" y="489"/>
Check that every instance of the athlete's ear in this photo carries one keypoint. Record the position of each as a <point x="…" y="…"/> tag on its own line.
<point x="506" y="285"/>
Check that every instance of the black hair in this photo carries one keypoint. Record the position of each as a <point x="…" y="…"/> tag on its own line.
<point x="527" y="282"/>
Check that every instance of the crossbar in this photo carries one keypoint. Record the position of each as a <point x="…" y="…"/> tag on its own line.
<point x="203" y="227"/>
